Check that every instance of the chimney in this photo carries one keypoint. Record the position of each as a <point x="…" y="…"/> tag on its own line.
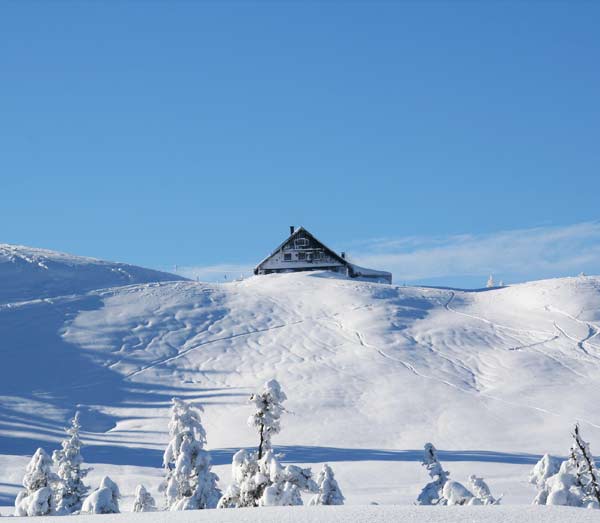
<point x="344" y="255"/>
<point x="291" y="230"/>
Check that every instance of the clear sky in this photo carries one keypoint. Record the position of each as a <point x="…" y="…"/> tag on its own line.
<point x="195" y="133"/>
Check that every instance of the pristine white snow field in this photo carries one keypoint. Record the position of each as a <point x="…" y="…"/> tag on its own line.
<point x="494" y="378"/>
<point x="354" y="514"/>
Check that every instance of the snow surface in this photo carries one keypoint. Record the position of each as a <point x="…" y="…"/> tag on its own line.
<point x="346" y="514"/>
<point x="494" y="378"/>
<point x="27" y="273"/>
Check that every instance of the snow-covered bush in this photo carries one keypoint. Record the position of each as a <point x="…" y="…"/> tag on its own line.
<point x="574" y="484"/>
<point x="37" y="498"/>
<point x="477" y="493"/>
<point x="455" y="493"/>
<point x="190" y="484"/>
<point x="544" y="469"/>
<point x="247" y="485"/>
<point x="70" y="490"/>
<point x="104" y="500"/>
<point x="282" y="484"/>
<point x="39" y="503"/>
<point x="265" y="482"/>
<point x="432" y="492"/>
<point x="563" y="487"/>
<point x="266" y="419"/>
<point x="143" y="502"/>
<point x="329" y="490"/>
<point x="481" y="492"/>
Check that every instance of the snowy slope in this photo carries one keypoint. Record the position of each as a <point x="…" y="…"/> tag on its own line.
<point x="27" y="273"/>
<point x="362" y="514"/>
<point x="494" y="378"/>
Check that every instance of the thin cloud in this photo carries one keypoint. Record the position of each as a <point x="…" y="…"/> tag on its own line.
<point x="519" y="254"/>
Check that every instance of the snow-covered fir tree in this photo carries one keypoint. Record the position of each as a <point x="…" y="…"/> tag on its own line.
<point x="432" y="492"/>
<point x="103" y="500"/>
<point x="39" y="480"/>
<point x="70" y="490"/>
<point x="329" y="490"/>
<point x="143" y="502"/>
<point x="266" y="419"/>
<point x="544" y="469"/>
<point x="490" y="282"/>
<point x="190" y="484"/>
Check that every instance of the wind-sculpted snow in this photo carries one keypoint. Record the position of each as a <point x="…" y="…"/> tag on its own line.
<point x="493" y="378"/>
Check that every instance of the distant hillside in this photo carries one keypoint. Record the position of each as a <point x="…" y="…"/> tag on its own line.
<point x="27" y="273"/>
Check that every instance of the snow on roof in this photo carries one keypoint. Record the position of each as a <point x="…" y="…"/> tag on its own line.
<point x="363" y="271"/>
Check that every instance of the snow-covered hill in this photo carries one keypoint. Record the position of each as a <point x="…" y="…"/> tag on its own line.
<point x="494" y="378"/>
<point x="27" y="273"/>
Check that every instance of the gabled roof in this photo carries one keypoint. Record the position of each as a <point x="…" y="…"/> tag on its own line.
<point x="333" y="254"/>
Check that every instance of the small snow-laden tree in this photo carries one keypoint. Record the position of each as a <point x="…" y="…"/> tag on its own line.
<point x="282" y="484"/>
<point x="432" y="492"/>
<point x="247" y="484"/>
<point x="39" y="503"/>
<point x="39" y="482"/>
<point x="70" y="490"/>
<point x="258" y="477"/>
<point x="329" y="490"/>
<point x="302" y="478"/>
<point x="481" y="492"/>
<point x="490" y="282"/>
<point x="103" y="500"/>
<point x="585" y="469"/>
<point x="455" y="493"/>
<point x="543" y="470"/>
<point x="189" y="484"/>
<point x="266" y="419"/>
<point x="143" y="502"/>
<point x="265" y="482"/>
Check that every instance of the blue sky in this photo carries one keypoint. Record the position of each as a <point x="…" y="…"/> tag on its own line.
<point x="164" y="133"/>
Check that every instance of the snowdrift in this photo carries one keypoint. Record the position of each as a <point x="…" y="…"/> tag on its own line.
<point x="493" y="378"/>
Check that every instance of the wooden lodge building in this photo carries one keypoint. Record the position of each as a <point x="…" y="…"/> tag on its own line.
<point x="301" y="251"/>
